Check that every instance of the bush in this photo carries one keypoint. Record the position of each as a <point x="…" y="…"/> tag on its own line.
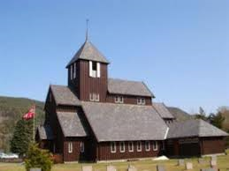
<point x="38" y="158"/>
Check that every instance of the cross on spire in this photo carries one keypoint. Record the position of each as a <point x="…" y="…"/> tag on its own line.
<point x="87" y="22"/>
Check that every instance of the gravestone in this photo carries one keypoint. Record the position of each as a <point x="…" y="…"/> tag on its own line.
<point x="131" y="168"/>
<point x="160" y="168"/>
<point x="214" y="158"/>
<point x="87" y="168"/>
<point x="201" y="161"/>
<point x="209" y="169"/>
<point x="180" y="162"/>
<point x="213" y="163"/>
<point x="35" y="169"/>
<point x="189" y="166"/>
<point x="111" y="168"/>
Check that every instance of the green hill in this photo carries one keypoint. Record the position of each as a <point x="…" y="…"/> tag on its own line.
<point x="11" y="110"/>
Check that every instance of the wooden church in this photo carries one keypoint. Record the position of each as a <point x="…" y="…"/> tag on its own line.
<point x="97" y="118"/>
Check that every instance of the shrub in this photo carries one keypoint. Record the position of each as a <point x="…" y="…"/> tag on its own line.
<point x="38" y="158"/>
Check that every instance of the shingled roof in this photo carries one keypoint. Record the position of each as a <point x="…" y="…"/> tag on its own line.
<point x="45" y="132"/>
<point x="114" y="122"/>
<point x="194" y="128"/>
<point x="124" y="87"/>
<point x="71" y="124"/>
<point x="88" y="52"/>
<point x="63" y="95"/>
<point x="163" y="111"/>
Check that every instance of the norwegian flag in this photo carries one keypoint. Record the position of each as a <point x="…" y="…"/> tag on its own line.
<point x="30" y="114"/>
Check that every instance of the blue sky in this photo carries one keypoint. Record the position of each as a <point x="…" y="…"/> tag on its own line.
<point x="179" y="48"/>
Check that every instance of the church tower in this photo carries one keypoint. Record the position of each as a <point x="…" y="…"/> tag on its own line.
<point x="87" y="73"/>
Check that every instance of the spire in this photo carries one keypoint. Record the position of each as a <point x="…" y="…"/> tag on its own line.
<point x="87" y="21"/>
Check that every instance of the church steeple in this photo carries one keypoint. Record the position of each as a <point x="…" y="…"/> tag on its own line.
<point x="87" y="73"/>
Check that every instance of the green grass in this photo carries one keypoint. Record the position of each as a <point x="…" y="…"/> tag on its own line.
<point x="149" y="165"/>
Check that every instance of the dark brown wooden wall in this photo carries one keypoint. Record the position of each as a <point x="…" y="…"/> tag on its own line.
<point x="92" y="85"/>
<point x="212" y="145"/>
<point x="104" y="152"/>
<point x="128" y="99"/>
<point x="76" y="155"/>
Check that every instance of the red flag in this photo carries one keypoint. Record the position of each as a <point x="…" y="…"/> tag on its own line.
<point x="30" y="114"/>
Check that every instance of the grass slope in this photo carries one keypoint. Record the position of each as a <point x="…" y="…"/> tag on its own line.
<point x="11" y="110"/>
<point x="148" y="165"/>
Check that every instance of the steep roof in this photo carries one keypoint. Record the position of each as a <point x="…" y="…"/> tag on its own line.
<point x="192" y="128"/>
<point x="163" y="111"/>
<point x="45" y="132"/>
<point x="63" y="95"/>
<point x="114" y="122"/>
<point x="71" y="124"/>
<point x="88" y="52"/>
<point x="124" y="87"/>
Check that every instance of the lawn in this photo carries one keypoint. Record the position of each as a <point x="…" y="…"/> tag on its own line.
<point x="149" y="165"/>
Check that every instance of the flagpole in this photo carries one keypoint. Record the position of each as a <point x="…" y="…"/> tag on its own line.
<point x="34" y="123"/>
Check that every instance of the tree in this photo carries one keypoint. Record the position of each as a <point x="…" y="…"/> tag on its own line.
<point x="216" y="120"/>
<point x="38" y="158"/>
<point x="23" y="135"/>
<point x="201" y="114"/>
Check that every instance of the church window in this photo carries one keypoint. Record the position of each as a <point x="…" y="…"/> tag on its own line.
<point x="94" y="69"/>
<point x="147" y="146"/>
<point x="113" y="147"/>
<point x="141" y="101"/>
<point x="81" y="147"/>
<point x="70" y="148"/>
<point x="155" y="146"/>
<point x="131" y="146"/>
<point x="122" y="147"/>
<point x="119" y="99"/>
<point x="139" y="146"/>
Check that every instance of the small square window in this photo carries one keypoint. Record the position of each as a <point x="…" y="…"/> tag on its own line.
<point x="141" y="101"/>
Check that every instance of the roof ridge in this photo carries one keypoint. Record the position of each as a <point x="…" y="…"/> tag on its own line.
<point x="120" y="79"/>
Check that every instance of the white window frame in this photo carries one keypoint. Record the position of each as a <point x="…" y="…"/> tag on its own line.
<point x="155" y="146"/>
<point x="131" y="146"/>
<point x="139" y="144"/>
<point x="122" y="147"/>
<point x="147" y="145"/>
<point x="70" y="147"/>
<point x="119" y="99"/>
<point x="94" y="73"/>
<point x="82" y="147"/>
<point x="141" y="101"/>
<point x="111" y="147"/>
<point x="96" y="97"/>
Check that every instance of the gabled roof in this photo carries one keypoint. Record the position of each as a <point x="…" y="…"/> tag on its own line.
<point x="71" y="124"/>
<point x="45" y="132"/>
<point x="124" y="87"/>
<point x="115" y="122"/>
<point x="163" y="111"/>
<point x="88" y="52"/>
<point x="63" y="95"/>
<point x="194" y="128"/>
